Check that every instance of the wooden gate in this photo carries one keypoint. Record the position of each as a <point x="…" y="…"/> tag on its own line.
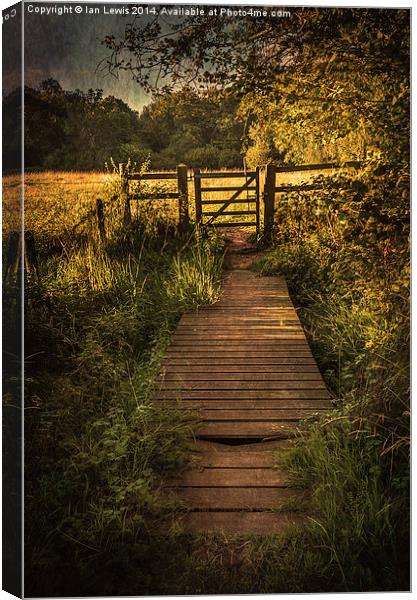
<point x="240" y="200"/>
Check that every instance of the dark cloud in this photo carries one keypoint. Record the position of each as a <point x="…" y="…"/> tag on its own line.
<point x="68" y="48"/>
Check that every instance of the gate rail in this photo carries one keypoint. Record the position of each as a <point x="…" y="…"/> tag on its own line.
<point x="251" y="185"/>
<point x="232" y="193"/>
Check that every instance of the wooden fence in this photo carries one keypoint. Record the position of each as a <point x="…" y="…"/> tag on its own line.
<point x="181" y="194"/>
<point x="266" y="189"/>
<point x="270" y="189"/>
<point x="263" y="186"/>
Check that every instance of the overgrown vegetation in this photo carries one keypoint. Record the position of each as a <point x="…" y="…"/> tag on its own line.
<point x="349" y="272"/>
<point x="97" y="448"/>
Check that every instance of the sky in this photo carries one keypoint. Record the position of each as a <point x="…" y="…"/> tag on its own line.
<point x="68" y="48"/>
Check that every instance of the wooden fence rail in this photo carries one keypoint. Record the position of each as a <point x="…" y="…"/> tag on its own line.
<point x="262" y="182"/>
<point x="181" y="194"/>
<point x="270" y="188"/>
<point x="263" y="185"/>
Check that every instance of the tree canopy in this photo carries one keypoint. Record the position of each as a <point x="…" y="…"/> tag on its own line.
<point x="325" y="83"/>
<point x="79" y="130"/>
<point x="195" y="129"/>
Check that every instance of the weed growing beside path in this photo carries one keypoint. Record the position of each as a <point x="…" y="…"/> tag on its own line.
<point x="97" y="448"/>
<point x="349" y="273"/>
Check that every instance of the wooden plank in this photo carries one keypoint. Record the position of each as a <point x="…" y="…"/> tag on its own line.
<point x="250" y="317"/>
<point x="230" y="188"/>
<point x="257" y="414"/>
<point x="182" y="186"/>
<point x="239" y="386"/>
<point x="189" y="368"/>
<point x="213" y="457"/>
<point x="251" y="306"/>
<point x="253" y="312"/>
<point x="237" y="352"/>
<point x="269" y="195"/>
<point x="246" y="284"/>
<point x="286" y="308"/>
<point x="255" y="295"/>
<point x="197" y="196"/>
<point x="211" y="373"/>
<point x="214" y="324"/>
<point x="230" y="213"/>
<point x="245" y="477"/>
<point x="224" y="200"/>
<point x="225" y="174"/>
<point x="254" y="362"/>
<point x="275" y="299"/>
<point x="246" y="429"/>
<point x="236" y="498"/>
<point x="239" y="337"/>
<point x="235" y="344"/>
<point x="252" y="334"/>
<point x="252" y="340"/>
<point x="311" y="404"/>
<point x="233" y="324"/>
<point x="204" y="319"/>
<point x="274" y="325"/>
<point x="258" y="200"/>
<point x="239" y="523"/>
<point x="240" y="394"/>
<point x="188" y="380"/>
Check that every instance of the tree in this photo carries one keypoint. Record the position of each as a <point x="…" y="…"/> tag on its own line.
<point x="71" y="129"/>
<point x="190" y="127"/>
<point x="330" y="74"/>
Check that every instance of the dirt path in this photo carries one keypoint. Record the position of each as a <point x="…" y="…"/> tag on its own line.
<point x="241" y="253"/>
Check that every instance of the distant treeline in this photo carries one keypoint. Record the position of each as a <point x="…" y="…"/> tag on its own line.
<point x="76" y="130"/>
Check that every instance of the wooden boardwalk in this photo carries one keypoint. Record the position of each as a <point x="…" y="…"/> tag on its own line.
<point x="245" y="365"/>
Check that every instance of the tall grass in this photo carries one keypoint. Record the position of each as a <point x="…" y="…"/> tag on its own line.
<point x="98" y="449"/>
<point x="352" y="290"/>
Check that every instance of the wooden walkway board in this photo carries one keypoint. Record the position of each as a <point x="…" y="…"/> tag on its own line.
<point x="244" y="365"/>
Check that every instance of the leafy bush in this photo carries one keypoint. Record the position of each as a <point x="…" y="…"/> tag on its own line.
<point x="344" y="252"/>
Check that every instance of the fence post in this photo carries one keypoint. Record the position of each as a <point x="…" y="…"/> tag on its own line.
<point x="13" y="254"/>
<point x="31" y="257"/>
<point x="100" y="219"/>
<point x="184" y="217"/>
<point x="124" y="177"/>
<point x="197" y="193"/>
<point x="269" y="200"/>
<point x="258" y="191"/>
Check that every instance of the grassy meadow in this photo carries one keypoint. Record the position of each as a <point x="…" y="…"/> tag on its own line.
<point x="98" y="450"/>
<point x="97" y="321"/>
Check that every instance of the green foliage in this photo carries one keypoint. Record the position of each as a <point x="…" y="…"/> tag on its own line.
<point x="359" y="524"/>
<point x="347" y="265"/>
<point x="325" y="84"/>
<point x="72" y="130"/>
<point x="196" y="129"/>
<point x="98" y="448"/>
